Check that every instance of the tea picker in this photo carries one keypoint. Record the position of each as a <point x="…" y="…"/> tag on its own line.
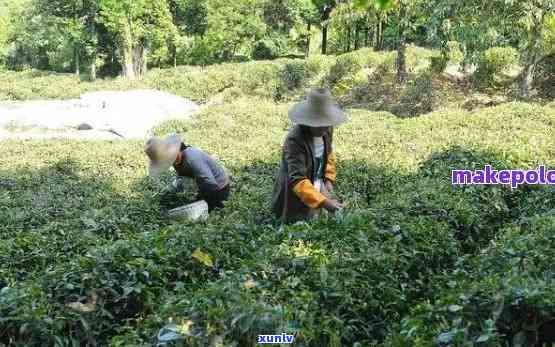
<point x="211" y="178"/>
<point x="307" y="175"/>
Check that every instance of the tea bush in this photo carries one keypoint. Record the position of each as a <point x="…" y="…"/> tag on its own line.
<point x="505" y="297"/>
<point x="346" y="65"/>
<point x="295" y="74"/>
<point x="88" y="257"/>
<point x="419" y="97"/>
<point x="499" y="58"/>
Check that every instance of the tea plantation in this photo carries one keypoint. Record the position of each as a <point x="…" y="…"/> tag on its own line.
<point x="87" y="257"/>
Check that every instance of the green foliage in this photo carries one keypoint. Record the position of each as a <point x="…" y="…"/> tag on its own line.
<point x="231" y="27"/>
<point x="269" y="48"/>
<point x="412" y="259"/>
<point x="345" y="65"/>
<point x="293" y="77"/>
<point x="454" y="53"/>
<point x="546" y="77"/>
<point x="192" y="16"/>
<point x="499" y="58"/>
<point x="493" y="62"/>
<point x="438" y="63"/>
<point x="295" y="74"/>
<point x="507" y="294"/>
<point x="418" y="98"/>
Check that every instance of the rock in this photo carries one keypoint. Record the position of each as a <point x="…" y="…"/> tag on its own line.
<point x="84" y="126"/>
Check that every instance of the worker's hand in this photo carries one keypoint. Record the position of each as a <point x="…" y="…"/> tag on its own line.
<point x="178" y="185"/>
<point x="329" y="186"/>
<point x="332" y="205"/>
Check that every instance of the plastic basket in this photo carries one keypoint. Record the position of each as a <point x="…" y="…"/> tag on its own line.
<point x="197" y="211"/>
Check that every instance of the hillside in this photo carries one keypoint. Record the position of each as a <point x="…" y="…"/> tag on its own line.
<point x="413" y="262"/>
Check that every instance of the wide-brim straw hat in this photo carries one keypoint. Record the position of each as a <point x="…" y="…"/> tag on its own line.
<point x="318" y="110"/>
<point x="162" y="153"/>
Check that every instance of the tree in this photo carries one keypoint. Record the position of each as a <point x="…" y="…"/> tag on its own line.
<point x="279" y="15"/>
<point x="528" y="21"/>
<point x="406" y="12"/>
<point x="479" y="25"/>
<point x="233" y="28"/>
<point x="308" y="14"/>
<point x="78" y="19"/>
<point x="190" y="18"/>
<point x="137" y="24"/>
<point x="325" y="8"/>
<point x="4" y="31"/>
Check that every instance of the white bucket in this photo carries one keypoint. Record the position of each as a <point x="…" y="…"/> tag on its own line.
<point x="197" y="211"/>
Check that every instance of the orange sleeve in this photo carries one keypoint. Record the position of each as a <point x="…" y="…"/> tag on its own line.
<point x="308" y="194"/>
<point x="331" y="168"/>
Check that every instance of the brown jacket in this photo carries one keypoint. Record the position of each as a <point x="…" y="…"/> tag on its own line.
<point x="294" y="195"/>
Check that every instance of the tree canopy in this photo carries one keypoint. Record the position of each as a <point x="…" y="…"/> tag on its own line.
<point x="127" y="36"/>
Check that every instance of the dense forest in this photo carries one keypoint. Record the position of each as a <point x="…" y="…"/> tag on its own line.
<point x="126" y="37"/>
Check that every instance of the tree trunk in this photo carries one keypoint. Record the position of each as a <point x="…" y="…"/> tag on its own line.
<point x="357" y="43"/>
<point x="324" y="39"/>
<point x="307" y="50"/>
<point x="140" y="59"/>
<point x="325" y="17"/>
<point x="92" y="75"/>
<point x="173" y="53"/>
<point x="378" y="34"/>
<point x="76" y="46"/>
<point x="93" y="72"/>
<point x="127" y="66"/>
<point x="348" y="46"/>
<point x="173" y="7"/>
<point x="402" y="75"/>
<point x="367" y="36"/>
<point x="76" y="59"/>
<point x="126" y="47"/>
<point x="463" y="68"/>
<point x="526" y="79"/>
<point x="532" y="53"/>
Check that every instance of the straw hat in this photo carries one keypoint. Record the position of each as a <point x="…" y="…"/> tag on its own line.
<point x="162" y="153"/>
<point x="318" y="110"/>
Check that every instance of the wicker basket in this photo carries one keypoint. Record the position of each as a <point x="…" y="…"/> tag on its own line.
<point x="197" y="211"/>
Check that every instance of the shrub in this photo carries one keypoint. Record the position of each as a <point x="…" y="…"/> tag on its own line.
<point x="438" y="63"/>
<point x="500" y="58"/>
<point x="545" y="77"/>
<point x="418" y="58"/>
<point x="417" y="98"/>
<point x="318" y="63"/>
<point x="386" y="63"/>
<point x="268" y="48"/>
<point x="294" y="74"/>
<point x="506" y="295"/>
<point x="346" y="65"/>
<point x="493" y="62"/>
<point x="409" y="246"/>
